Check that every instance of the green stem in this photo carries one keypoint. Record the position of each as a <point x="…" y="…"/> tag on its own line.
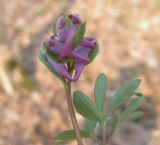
<point x="72" y="113"/>
<point x="104" y="133"/>
<point x="111" y="135"/>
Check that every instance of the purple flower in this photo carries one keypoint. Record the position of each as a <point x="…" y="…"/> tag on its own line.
<point x="66" y="33"/>
<point x="68" y="51"/>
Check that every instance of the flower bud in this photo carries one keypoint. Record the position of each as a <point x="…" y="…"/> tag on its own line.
<point x="68" y="51"/>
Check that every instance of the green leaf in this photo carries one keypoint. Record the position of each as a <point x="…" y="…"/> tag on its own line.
<point x="44" y="61"/>
<point x="100" y="92"/>
<point x="93" y="53"/>
<point x="67" y="21"/>
<point x="85" y="106"/>
<point x="123" y="94"/>
<point x="138" y="94"/>
<point x="136" y="103"/>
<point x="54" y="28"/>
<point x="90" y="126"/>
<point x="62" y="142"/>
<point x="70" y="135"/>
<point x="79" y="35"/>
<point x="54" y="25"/>
<point x="135" y="115"/>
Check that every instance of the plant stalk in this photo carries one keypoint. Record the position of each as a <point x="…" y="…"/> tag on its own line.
<point x="104" y="133"/>
<point x="72" y="114"/>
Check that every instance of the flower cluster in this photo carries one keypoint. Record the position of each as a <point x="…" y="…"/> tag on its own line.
<point x="68" y="51"/>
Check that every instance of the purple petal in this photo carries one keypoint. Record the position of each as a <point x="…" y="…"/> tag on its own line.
<point x="78" y="69"/>
<point x="68" y="46"/>
<point x="80" y="53"/>
<point x="74" y="18"/>
<point x="89" y="42"/>
<point x="75" y="56"/>
<point x="54" y="45"/>
<point x="51" y="41"/>
<point x="60" y="69"/>
<point x="61" y="28"/>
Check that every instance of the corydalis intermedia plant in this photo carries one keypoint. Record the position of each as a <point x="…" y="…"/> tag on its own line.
<point x="65" y="53"/>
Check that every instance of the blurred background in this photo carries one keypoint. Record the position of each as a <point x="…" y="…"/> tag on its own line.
<point x="32" y="102"/>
